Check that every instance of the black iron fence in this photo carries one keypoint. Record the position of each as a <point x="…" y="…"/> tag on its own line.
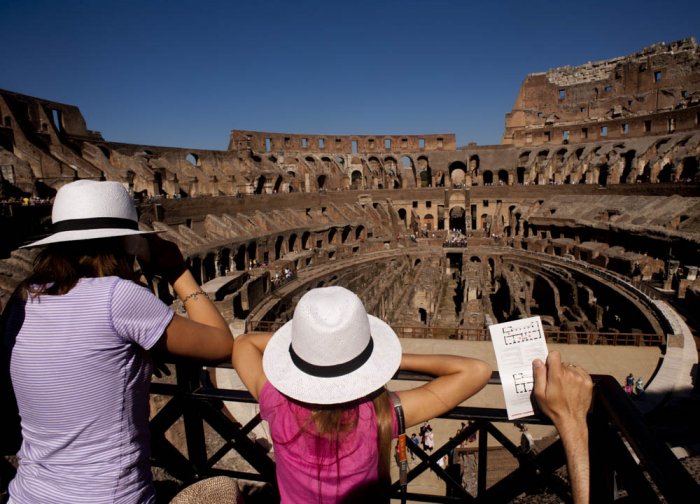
<point x="626" y="458"/>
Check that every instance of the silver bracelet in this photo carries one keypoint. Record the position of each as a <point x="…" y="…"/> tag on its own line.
<point x="194" y="295"/>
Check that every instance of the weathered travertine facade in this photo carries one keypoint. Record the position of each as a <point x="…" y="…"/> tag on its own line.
<point x="653" y="92"/>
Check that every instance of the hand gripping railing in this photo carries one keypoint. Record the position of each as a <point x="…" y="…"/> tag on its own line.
<point x="618" y="438"/>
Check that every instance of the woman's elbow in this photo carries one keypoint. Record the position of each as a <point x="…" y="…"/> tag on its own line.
<point x="482" y="373"/>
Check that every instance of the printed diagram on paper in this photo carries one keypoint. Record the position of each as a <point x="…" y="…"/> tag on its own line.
<point x="517" y="344"/>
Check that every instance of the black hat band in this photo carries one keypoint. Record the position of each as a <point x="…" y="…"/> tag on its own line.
<point x="94" y="223"/>
<point x="334" y="370"/>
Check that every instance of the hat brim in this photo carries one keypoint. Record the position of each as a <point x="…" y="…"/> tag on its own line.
<point x="372" y="375"/>
<point x="89" y="234"/>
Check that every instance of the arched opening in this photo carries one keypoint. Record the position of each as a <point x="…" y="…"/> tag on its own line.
<point x="252" y="251"/>
<point x="278" y="247"/>
<point x="457" y="219"/>
<point x="485" y="223"/>
<point x="331" y="236"/>
<point x="397" y="184"/>
<point x="503" y="177"/>
<point x="428" y="222"/>
<point x="458" y="173"/>
<point x="223" y="261"/>
<point x="321" y="181"/>
<point x="402" y="216"/>
<point x="520" y="173"/>
<point x="209" y="267"/>
<point x="627" y="170"/>
<point x="192" y="159"/>
<point x="345" y="233"/>
<point x="356" y="179"/>
<point x="359" y="232"/>
<point x="645" y="175"/>
<point x="291" y="244"/>
<point x="423" y="314"/>
<point x="278" y="184"/>
<point x="488" y="177"/>
<point x="474" y="165"/>
<point x="305" y="240"/>
<point x="666" y="173"/>
<point x="690" y="170"/>
<point x="425" y="178"/>
<point x="260" y="185"/>
<point x="239" y="259"/>
<point x="524" y="157"/>
<point x="603" y="175"/>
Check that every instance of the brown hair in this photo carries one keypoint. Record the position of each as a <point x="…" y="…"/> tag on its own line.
<point x="59" y="266"/>
<point x="334" y="422"/>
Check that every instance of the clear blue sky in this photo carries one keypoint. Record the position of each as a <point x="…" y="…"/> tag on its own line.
<point x="184" y="73"/>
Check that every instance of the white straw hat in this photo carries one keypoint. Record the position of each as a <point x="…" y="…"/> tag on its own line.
<point x="332" y="351"/>
<point x="88" y="209"/>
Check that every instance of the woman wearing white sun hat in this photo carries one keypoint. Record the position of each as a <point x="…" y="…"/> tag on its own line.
<point x="320" y="383"/>
<point x="76" y="336"/>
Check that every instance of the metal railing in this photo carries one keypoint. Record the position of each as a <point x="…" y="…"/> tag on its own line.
<point x="482" y="334"/>
<point x="626" y="457"/>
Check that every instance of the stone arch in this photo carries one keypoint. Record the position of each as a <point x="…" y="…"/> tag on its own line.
<point x="305" y="240"/>
<point x="424" y="172"/>
<point x="402" y="216"/>
<point x="356" y="179"/>
<point x="279" y="242"/>
<point x="345" y="233"/>
<point x="239" y="258"/>
<point x="485" y="222"/>
<point x="626" y="177"/>
<point x="458" y="173"/>
<point x="291" y="244"/>
<point x="503" y="177"/>
<point x="690" y="170"/>
<point x="488" y="177"/>
<point x="520" y="174"/>
<point x="359" y="232"/>
<point x="458" y="218"/>
<point x="252" y="251"/>
<point x="428" y="222"/>
<point x="259" y="185"/>
<point x="603" y="174"/>
<point x="332" y="232"/>
<point x="666" y="174"/>
<point x="474" y="165"/>
<point x="321" y="181"/>
<point x="192" y="159"/>
<point x="408" y="167"/>
<point x="278" y="184"/>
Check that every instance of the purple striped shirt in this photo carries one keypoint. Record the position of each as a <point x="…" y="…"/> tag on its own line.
<point x="81" y="375"/>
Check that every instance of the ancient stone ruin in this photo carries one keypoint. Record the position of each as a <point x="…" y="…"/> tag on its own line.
<point x="592" y="195"/>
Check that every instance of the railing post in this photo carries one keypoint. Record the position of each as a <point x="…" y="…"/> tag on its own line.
<point x="188" y="382"/>
<point x="483" y="462"/>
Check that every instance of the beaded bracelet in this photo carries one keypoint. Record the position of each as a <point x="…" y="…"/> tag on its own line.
<point x="194" y="295"/>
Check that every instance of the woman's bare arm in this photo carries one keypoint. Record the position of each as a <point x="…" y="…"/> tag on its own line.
<point x="204" y="334"/>
<point x="565" y="393"/>
<point x="457" y="379"/>
<point x="247" y="360"/>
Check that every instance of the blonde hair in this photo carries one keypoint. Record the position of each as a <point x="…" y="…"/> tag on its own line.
<point x="334" y="422"/>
